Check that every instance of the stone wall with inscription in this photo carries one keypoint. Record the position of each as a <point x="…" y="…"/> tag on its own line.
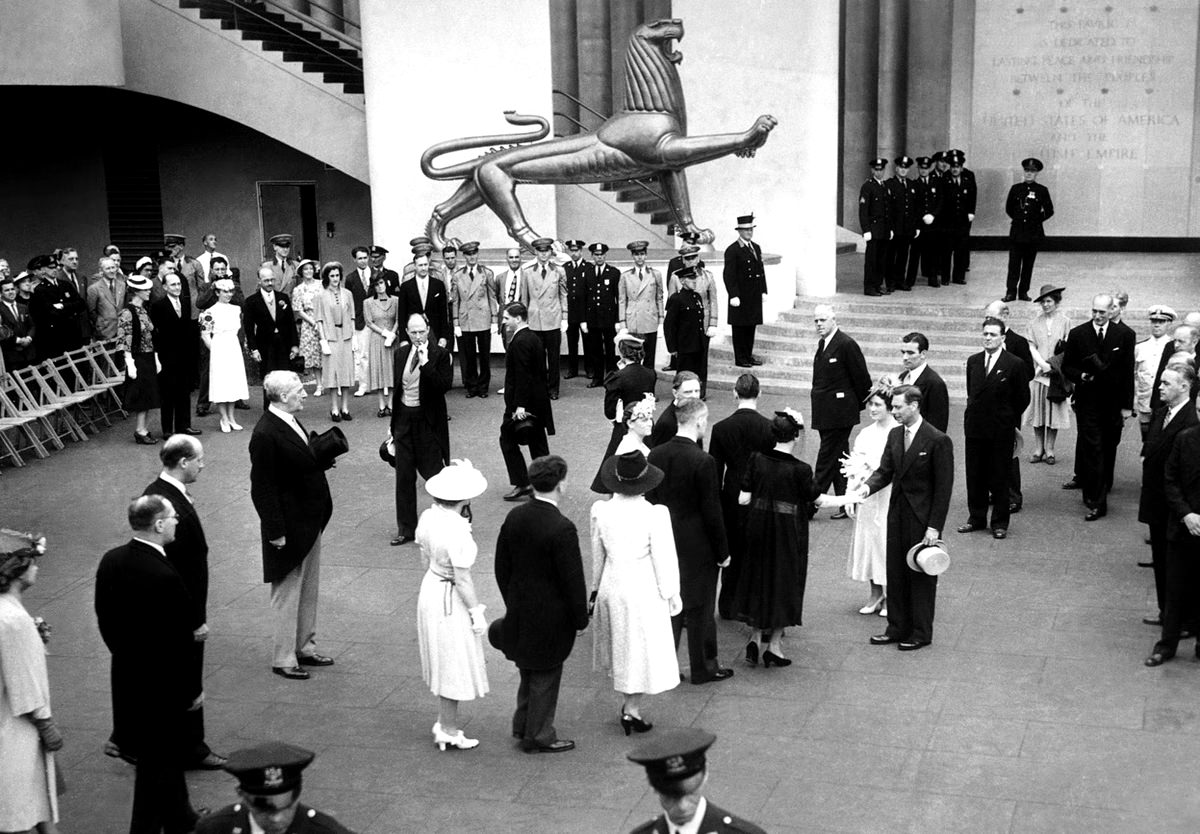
<point x="1104" y="93"/>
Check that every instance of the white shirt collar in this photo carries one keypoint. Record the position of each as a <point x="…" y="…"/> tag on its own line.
<point x="156" y="546"/>
<point x="179" y="485"/>
<point x="913" y="428"/>
<point x="693" y="825"/>
<point x="537" y="497"/>
<point x="916" y="372"/>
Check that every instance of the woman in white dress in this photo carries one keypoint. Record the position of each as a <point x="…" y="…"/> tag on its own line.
<point x="635" y="575"/>
<point x="28" y="735"/>
<point x="868" y="544"/>
<point x="335" y="325"/>
<point x="220" y="328"/>
<point x="1049" y="328"/>
<point x="450" y="621"/>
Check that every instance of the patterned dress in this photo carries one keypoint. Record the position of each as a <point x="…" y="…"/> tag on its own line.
<point x="135" y="332"/>
<point x="304" y="300"/>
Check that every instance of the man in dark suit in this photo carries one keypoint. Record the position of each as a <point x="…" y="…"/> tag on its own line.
<point x="731" y="443"/>
<point x="56" y="308"/>
<point x="427" y="295"/>
<point x="746" y="283"/>
<point x="16" y="343"/>
<point x="1168" y="420"/>
<point x="873" y="211"/>
<point x="183" y="460"/>
<point x="839" y="392"/>
<point x="935" y="397"/>
<point x="958" y="212"/>
<point x="151" y="624"/>
<point x="175" y="343"/>
<point x="905" y="223"/>
<point x="1018" y="346"/>
<point x="918" y="461"/>
<point x="527" y="414"/>
<point x="291" y="495"/>
<point x="68" y="273"/>
<point x="1099" y="361"/>
<point x="928" y="194"/>
<point x="599" y="325"/>
<point x="691" y="491"/>
<point x="540" y="575"/>
<point x="997" y="395"/>
<point x="1029" y="206"/>
<point x="360" y="281"/>
<point x="270" y="327"/>
<point x="420" y="430"/>
<point x="685" y="386"/>
<point x="1181" y="478"/>
<point x="575" y="273"/>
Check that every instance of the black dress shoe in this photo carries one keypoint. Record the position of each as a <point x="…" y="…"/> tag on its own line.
<point x="1096" y="514"/>
<point x="883" y="639"/>
<point x="347" y="416"/>
<point x="471" y="395"/>
<point x="212" y="761"/>
<point x="744" y="364"/>
<point x="554" y="395"/>
<point x="934" y="284"/>
<point x="402" y="538"/>
<point x="146" y="439"/>
<point x="1157" y="658"/>
<point x="203" y="412"/>
<point x="1145" y="564"/>
<point x="483" y="395"/>
<point x="756" y="360"/>
<point x="193" y="432"/>
<point x="1024" y="297"/>
<point x="518" y="492"/>
<point x="1014" y="508"/>
<point x="912" y="645"/>
<point x="771" y="659"/>
<point x="294" y="673"/>
<point x="719" y="674"/>
<point x="1008" y="298"/>
<point x="595" y="383"/>
<point x="1154" y="621"/>
<point x="963" y="282"/>
<point x="314" y="659"/>
<point x="335" y="417"/>
<point x="570" y="375"/>
<point x="969" y="527"/>
<point x="560" y="746"/>
<point x="752" y="653"/>
<point x="999" y="533"/>
<point x="1071" y="484"/>
<point x="904" y="289"/>
<point x="872" y="293"/>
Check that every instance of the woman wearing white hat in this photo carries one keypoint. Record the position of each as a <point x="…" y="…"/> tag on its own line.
<point x="450" y="621"/>
<point x="220" y="325"/>
<point x="135" y="332"/>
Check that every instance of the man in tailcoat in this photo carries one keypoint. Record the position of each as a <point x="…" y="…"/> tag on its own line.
<point x="875" y="223"/>
<point x="150" y="624"/>
<point x="691" y="492"/>
<point x="420" y="429"/>
<point x="746" y="284"/>
<point x="928" y="194"/>
<point x="839" y="392"/>
<point x="918" y="461"/>
<point x="105" y="298"/>
<point x="905" y="223"/>
<point x="473" y="306"/>
<point x="544" y="294"/>
<point x="601" y="314"/>
<point x="270" y="326"/>
<point x="539" y="571"/>
<point x="182" y="459"/>
<point x="1029" y="206"/>
<point x="958" y="213"/>
<point x="935" y="397"/>
<point x="528" y="417"/>
<point x="640" y="301"/>
<point x="575" y="275"/>
<point x="997" y="395"/>
<point x="175" y="340"/>
<point x="18" y="344"/>
<point x="731" y="443"/>
<point x="291" y="496"/>
<point x="1168" y="420"/>
<point x="427" y="295"/>
<point x="1098" y="360"/>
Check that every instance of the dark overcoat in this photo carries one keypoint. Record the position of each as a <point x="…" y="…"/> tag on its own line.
<point x="525" y="378"/>
<point x="1152" y="504"/>
<point x="995" y="401"/>
<point x="840" y="383"/>
<point x="745" y="280"/>
<point x="273" y="338"/>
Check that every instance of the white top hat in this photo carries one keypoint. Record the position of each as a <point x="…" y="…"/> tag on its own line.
<point x="931" y="559"/>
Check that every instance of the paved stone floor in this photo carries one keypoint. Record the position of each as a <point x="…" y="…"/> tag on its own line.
<point x="1031" y="712"/>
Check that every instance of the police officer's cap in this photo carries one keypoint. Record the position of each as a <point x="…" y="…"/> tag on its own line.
<point x="924" y="162"/>
<point x="542" y="244"/>
<point x="685" y="272"/>
<point x="1161" y="312"/>
<point x="417" y="241"/>
<point x="1032" y="164"/>
<point x="576" y="244"/>
<point x="938" y="156"/>
<point x="956" y="157"/>
<point x="690" y="237"/>
<point x="903" y="161"/>
<point x="878" y="163"/>
<point x="673" y="755"/>
<point x="471" y="247"/>
<point x="377" y="250"/>
<point x="270" y="768"/>
<point x="598" y="248"/>
<point x="281" y="240"/>
<point x="638" y="247"/>
<point x="422" y="249"/>
<point x="174" y="240"/>
<point x="745" y="221"/>
<point x="39" y="262"/>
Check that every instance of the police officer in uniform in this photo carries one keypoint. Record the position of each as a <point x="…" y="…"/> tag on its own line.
<point x="928" y="195"/>
<point x="376" y="255"/>
<point x="677" y="770"/>
<point x="906" y="227"/>
<point x="269" y="781"/>
<point x="576" y="270"/>
<point x="959" y="212"/>
<point x="600" y="317"/>
<point x="283" y="263"/>
<point x="1029" y="206"/>
<point x="873" y="220"/>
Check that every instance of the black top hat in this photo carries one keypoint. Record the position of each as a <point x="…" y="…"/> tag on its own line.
<point x="745" y="221"/>
<point x="269" y="769"/>
<point x="328" y="445"/>
<point x="1032" y="164"/>
<point x="630" y="474"/>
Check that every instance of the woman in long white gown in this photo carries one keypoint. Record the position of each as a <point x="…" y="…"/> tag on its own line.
<point x="219" y="327"/>
<point x="635" y="575"/>
<point x="868" y="544"/>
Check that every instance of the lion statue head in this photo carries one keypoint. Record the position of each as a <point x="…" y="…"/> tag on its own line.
<point x="652" y="82"/>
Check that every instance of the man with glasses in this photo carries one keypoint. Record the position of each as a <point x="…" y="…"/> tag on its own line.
<point x="1099" y="360"/>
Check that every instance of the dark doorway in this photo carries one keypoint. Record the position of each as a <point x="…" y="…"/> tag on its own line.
<point x="291" y="208"/>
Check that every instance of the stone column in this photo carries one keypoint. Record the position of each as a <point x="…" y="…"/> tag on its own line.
<point x="860" y="86"/>
<point x="929" y="43"/>
<point x="791" y="184"/>
<point x="594" y="59"/>
<point x="564" y="61"/>
<point x="893" y="72"/>
<point x="499" y="66"/>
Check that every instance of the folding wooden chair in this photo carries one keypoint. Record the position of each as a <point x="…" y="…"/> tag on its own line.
<point x="18" y="417"/>
<point x="104" y="356"/>
<point x="108" y="399"/>
<point x="59" y="374"/>
<point x="59" y="421"/>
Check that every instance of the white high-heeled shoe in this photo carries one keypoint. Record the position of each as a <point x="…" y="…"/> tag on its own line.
<point x="234" y="426"/>
<point x="225" y="426"/>
<point x="871" y="607"/>
<point x="458" y="740"/>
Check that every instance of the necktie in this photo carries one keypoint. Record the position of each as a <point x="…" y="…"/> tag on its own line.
<point x="907" y="437"/>
<point x="543" y="273"/>
<point x="988" y="360"/>
<point x="1100" y="334"/>
<point x="270" y="305"/>
<point x="820" y="346"/>
<point x="512" y="287"/>
<point x="412" y="363"/>
<point x="904" y="376"/>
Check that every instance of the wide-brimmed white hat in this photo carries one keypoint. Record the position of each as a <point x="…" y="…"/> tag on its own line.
<point x="460" y="481"/>
<point x="931" y="559"/>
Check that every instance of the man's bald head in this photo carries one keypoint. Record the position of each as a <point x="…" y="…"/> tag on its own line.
<point x="997" y="309"/>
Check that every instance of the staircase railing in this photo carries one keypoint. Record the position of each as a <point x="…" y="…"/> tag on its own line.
<point x="246" y="8"/>
<point x="342" y="37"/>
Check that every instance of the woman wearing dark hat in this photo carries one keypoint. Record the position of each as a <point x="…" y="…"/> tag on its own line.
<point x="304" y="305"/>
<point x="778" y="488"/>
<point x="624" y="387"/>
<point x="1047" y="338"/>
<point x="28" y="735"/>
<point x="135" y="333"/>
<point x="450" y="621"/>
<point x="635" y="586"/>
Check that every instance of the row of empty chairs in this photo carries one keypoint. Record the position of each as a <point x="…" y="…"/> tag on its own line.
<point x="60" y="399"/>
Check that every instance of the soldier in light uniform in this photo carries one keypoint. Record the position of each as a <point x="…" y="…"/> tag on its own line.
<point x="873" y="221"/>
<point x="544" y="294"/>
<point x="269" y="782"/>
<point x="436" y="270"/>
<point x="905" y="225"/>
<point x="283" y="264"/>
<point x="640" y="300"/>
<point x="677" y="769"/>
<point x="473" y="307"/>
<point x="1029" y="206"/>
<point x="575" y="271"/>
<point x="601" y="313"/>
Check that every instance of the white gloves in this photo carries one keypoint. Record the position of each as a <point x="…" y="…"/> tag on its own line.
<point x="457" y="331"/>
<point x="867" y="237"/>
<point x="157" y="364"/>
<point x="735" y="302"/>
<point x="927" y="219"/>
<point x="710" y="332"/>
<point x="674" y="605"/>
<point x="970" y="218"/>
<point x="583" y="326"/>
<point x="478" y="622"/>
<point x="130" y="367"/>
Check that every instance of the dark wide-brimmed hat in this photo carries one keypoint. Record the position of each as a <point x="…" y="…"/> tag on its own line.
<point x="328" y="445"/>
<point x="630" y="474"/>
<point x="1047" y="289"/>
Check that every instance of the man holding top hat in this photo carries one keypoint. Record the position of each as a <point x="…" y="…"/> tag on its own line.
<point x="746" y="283"/>
<point x="1029" y="206"/>
<point x="677" y="769"/>
<point x="269" y="783"/>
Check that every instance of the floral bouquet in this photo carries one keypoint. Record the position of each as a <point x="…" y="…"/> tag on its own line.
<point x="44" y="629"/>
<point x="856" y="467"/>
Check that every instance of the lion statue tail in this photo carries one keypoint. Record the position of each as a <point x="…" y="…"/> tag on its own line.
<point x="465" y="169"/>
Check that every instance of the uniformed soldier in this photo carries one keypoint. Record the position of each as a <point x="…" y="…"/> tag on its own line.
<point x="925" y="248"/>
<point x="376" y="255"/>
<point x="677" y="770"/>
<point x="576" y="270"/>
<point x="958" y="209"/>
<point x="905" y="224"/>
<point x="269" y="781"/>
<point x="640" y="300"/>
<point x="544" y="294"/>
<point x="191" y="273"/>
<point x="283" y="264"/>
<point x="673" y="266"/>
<point x="873" y="221"/>
<point x="941" y="166"/>
<point x="1029" y="206"/>
<point x="600" y="316"/>
<point x="435" y="269"/>
<point x="474" y="306"/>
<point x="684" y="327"/>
